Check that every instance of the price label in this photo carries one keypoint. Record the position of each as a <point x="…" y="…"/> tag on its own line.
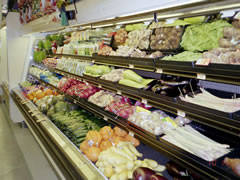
<point x="74" y="101"/>
<point x="159" y="70"/>
<point x="203" y="62"/>
<point x="40" y="120"/>
<point x="201" y="76"/>
<point x="30" y="111"/>
<point x="170" y="21"/>
<point x="181" y="113"/>
<point x="227" y="13"/>
<point x="131" y="133"/>
<point x="93" y="61"/>
<point x="144" y="101"/>
<point x="100" y="86"/>
<point x="131" y="66"/>
<point x="119" y="92"/>
<point x="105" y="118"/>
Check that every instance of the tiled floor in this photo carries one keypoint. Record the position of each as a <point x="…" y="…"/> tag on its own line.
<point x="12" y="163"/>
<point x="20" y="156"/>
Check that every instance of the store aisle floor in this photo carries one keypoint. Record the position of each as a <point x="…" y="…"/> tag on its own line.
<point x="12" y="163"/>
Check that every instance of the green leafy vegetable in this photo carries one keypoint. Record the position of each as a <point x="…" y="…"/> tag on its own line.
<point x="205" y="36"/>
<point x="47" y="44"/>
<point x="184" y="56"/>
<point x="40" y="45"/>
<point x="38" y="56"/>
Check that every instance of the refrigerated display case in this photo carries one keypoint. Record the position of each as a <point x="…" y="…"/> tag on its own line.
<point x="207" y="124"/>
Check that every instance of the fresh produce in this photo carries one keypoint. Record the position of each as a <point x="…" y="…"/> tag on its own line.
<point x="223" y="55"/>
<point x="75" y="124"/>
<point x="134" y="80"/>
<point x="72" y="65"/>
<point x="195" y="20"/>
<point x="234" y="164"/>
<point x="48" y="101"/>
<point x="105" y="51"/>
<point x="103" y="140"/>
<point x="119" y="162"/>
<point x="206" y="99"/>
<point x="120" y="37"/>
<point x="196" y="143"/>
<point x="174" y="86"/>
<point x="115" y="75"/>
<point x="106" y="132"/>
<point x="204" y="36"/>
<point x="77" y="88"/>
<point x="121" y="108"/>
<point x="131" y="75"/>
<point x="50" y="62"/>
<point x="127" y="51"/>
<point x="119" y="132"/>
<point x="184" y="56"/>
<point x="38" y="56"/>
<point x="92" y="153"/>
<point x="133" y="27"/>
<point x="25" y="84"/>
<point x="166" y="38"/>
<point x="144" y="173"/>
<point x="139" y="39"/>
<point x="45" y="75"/>
<point x="175" y="170"/>
<point x="102" y="98"/>
<point x="156" y="122"/>
<point x="97" y="70"/>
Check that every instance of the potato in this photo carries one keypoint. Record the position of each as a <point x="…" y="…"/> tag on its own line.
<point x="225" y="43"/>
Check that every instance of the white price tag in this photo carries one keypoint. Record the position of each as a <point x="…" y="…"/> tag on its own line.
<point x="93" y="61"/>
<point x="159" y="70"/>
<point x="131" y="133"/>
<point x="181" y="113"/>
<point x="170" y="21"/>
<point x="100" y="86"/>
<point x="105" y="118"/>
<point x="119" y="92"/>
<point x="74" y="101"/>
<point x="203" y="62"/>
<point x="144" y="101"/>
<point x="227" y="13"/>
<point x="201" y="76"/>
<point x="131" y="66"/>
<point x="147" y="23"/>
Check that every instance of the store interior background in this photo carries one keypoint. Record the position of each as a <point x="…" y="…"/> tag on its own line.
<point x="14" y="57"/>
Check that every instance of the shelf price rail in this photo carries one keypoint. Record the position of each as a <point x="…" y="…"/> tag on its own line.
<point x="227" y="122"/>
<point x="175" y="153"/>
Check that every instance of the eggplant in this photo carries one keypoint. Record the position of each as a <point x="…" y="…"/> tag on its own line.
<point x="157" y="177"/>
<point x="143" y="173"/>
<point x="175" y="170"/>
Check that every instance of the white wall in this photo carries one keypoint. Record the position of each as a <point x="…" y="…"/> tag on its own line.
<point x="17" y="47"/>
<point x="94" y="10"/>
<point x="3" y="57"/>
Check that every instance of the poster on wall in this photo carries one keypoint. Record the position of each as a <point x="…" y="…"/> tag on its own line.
<point x="33" y="9"/>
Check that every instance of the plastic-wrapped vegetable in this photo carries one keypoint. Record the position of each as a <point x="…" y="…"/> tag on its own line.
<point x="184" y="56"/>
<point x="200" y="37"/>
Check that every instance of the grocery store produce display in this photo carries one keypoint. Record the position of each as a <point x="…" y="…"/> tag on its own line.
<point x="185" y="122"/>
